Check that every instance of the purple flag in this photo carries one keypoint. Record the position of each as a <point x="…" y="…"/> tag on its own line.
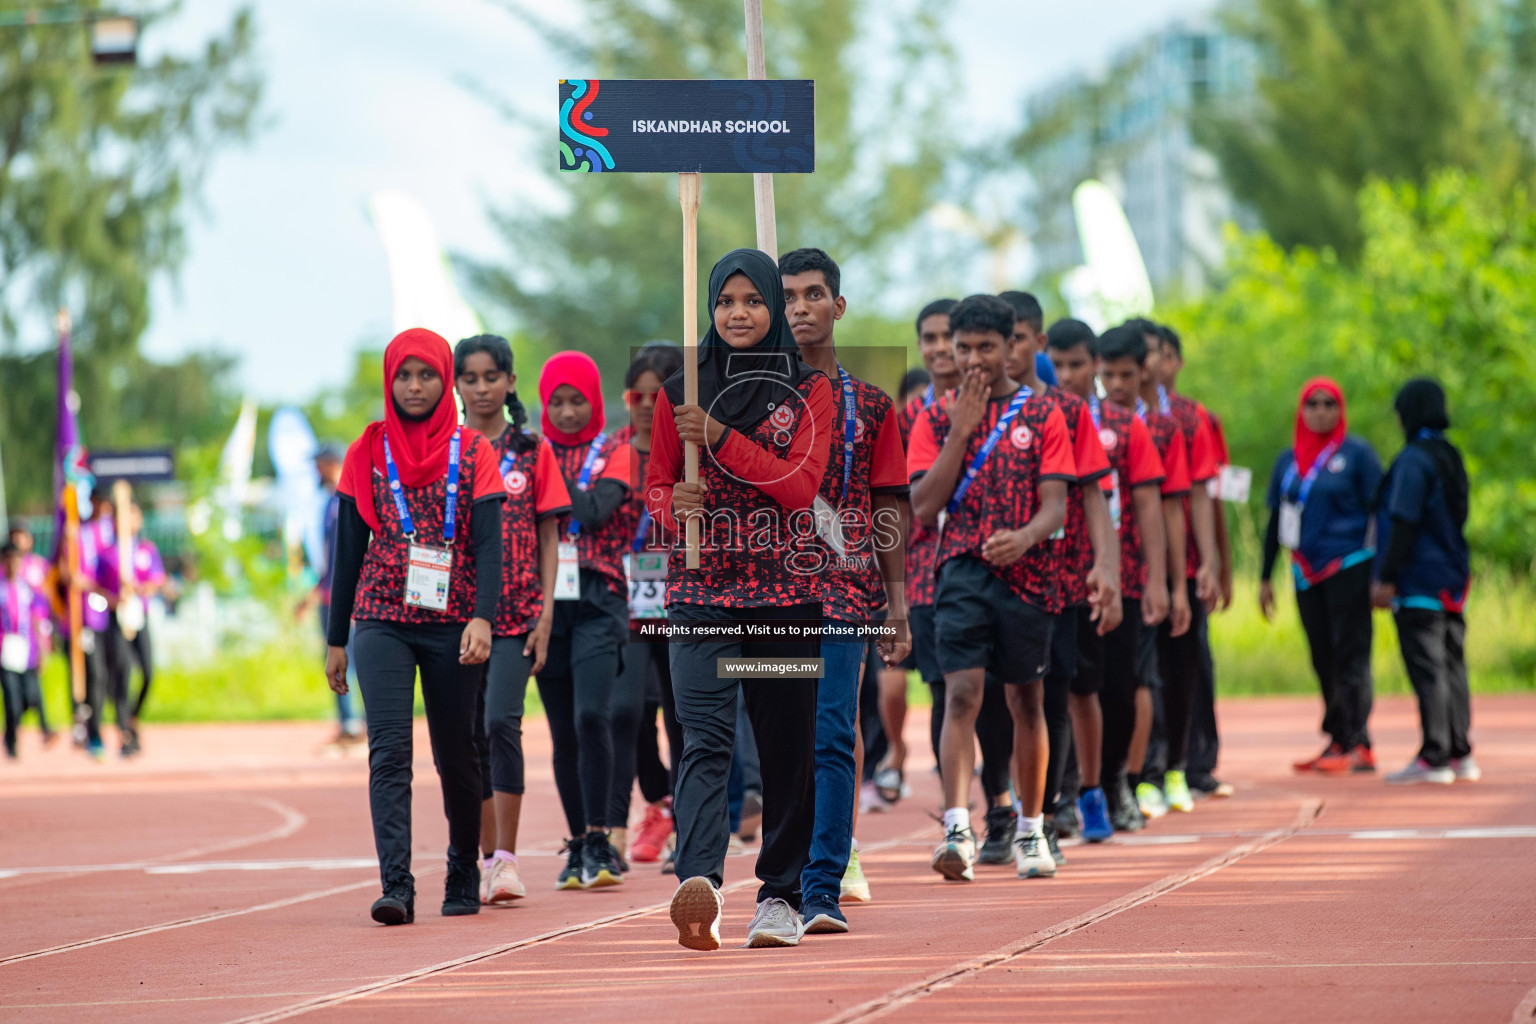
<point x="69" y="465"/>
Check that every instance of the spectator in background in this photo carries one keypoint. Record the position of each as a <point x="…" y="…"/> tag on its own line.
<point x="328" y="460"/>
<point x="24" y="638"/>
<point x="1423" y="572"/>
<point x="1320" y="496"/>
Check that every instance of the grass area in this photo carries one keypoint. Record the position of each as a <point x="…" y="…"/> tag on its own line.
<point x="282" y="680"/>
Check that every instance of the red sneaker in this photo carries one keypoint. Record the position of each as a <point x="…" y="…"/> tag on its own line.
<point x="1362" y="759"/>
<point x="1335" y="761"/>
<point x="1310" y="765"/>
<point x="652" y="834"/>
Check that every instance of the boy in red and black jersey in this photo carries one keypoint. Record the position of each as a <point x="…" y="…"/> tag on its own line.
<point x="1133" y="489"/>
<point x="995" y="459"/>
<point x="861" y="508"/>
<point x="1089" y="554"/>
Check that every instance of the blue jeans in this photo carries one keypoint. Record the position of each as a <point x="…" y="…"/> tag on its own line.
<point x="837" y="706"/>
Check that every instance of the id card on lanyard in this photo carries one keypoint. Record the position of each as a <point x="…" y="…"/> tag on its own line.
<point x="646" y="572"/>
<point x="1290" y="511"/>
<point x="1096" y="409"/>
<point x="998" y="430"/>
<point x="568" y="572"/>
<point x="828" y="526"/>
<point x="429" y="569"/>
<point x="16" y="644"/>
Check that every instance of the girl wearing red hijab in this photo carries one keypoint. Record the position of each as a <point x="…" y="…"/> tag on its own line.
<point x="591" y="620"/>
<point x="418" y="566"/>
<point x="1320" y="497"/>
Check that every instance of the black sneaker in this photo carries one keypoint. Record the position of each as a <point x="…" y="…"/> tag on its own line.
<point x="574" y="850"/>
<point x="1002" y="828"/>
<point x="1068" y="825"/>
<point x="461" y="891"/>
<point x="600" y="863"/>
<point x="1051" y="842"/>
<point x="396" y="906"/>
<point x="1124" y="814"/>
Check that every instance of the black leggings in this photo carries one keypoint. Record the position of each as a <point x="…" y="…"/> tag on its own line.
<point x="576" y="687"/>
<point x="144" y="654"/>
<point x="1178" y="663"/>
<point x="388" y="655"/>
<point x="647" y="670"/>
<point x="22" y="692"/>
<point x="1336" y="615"/>
<point x="1117" y="697"/>
<point x="994" y="731"/>
<point x="650" y="770"/>
<point x="506" y="685"/>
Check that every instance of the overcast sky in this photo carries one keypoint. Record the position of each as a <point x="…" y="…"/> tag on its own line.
<point x="284" y="267"/>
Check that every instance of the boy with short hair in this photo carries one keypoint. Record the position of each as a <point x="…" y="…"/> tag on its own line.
<point x="994" y="460"/>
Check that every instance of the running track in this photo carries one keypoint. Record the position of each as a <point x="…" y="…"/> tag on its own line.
<point x="226" y="877"/>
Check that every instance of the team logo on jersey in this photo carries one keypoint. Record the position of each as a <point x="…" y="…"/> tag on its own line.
<point x="1021" y="435"/>
<point x="1108" y="438"/>
<point x="783" y="418"/>
<point x="858" y="429"/>
<point x="1336" y="464"/>
<point x="516" y="481"/>
<point x="597" y="466"/>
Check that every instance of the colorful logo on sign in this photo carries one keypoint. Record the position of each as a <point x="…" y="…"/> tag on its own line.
<point x="583" y="152"/>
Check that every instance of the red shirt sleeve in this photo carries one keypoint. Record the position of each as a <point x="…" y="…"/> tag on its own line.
<point x="665" y="466"/>
<point x="888" y="469"/>
<point x="796" y="477"/>
<point x="1218" y="436"/>
<point x="1087" y="449"/>
<point x="487" y="483"/>
<point x="1202" y="454"/>
<point x="1056" y="461"/>
<point x="618" y="466"/>
<point x="1175" y="466"/>
<point x="1143" y="464"/>
<point x="549" y="493"/>
<point x="922" y="446"/>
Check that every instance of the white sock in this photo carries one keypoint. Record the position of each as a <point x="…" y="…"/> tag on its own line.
<point x="957" y="817"/>
<point x="1029" y="826"/>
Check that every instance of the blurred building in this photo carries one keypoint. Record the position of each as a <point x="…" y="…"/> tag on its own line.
<point x="1132" y="127"/>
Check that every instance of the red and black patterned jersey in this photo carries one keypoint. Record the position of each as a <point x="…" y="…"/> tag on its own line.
<point x="922" y="541"/>
<point x="854" y="585"/>
<point x="381" y="583"/>
<point x="758" y="543"/>
<point x="1218" y="436"/>
<point x="535" y="491"/>
<point x="601" y="550"/>
<point x="655" y="538"/>
<point x="1005" y="493"/>
<point x="1075" y="549"/>
<point x="1203" y="465"/>
<point x="1134" y="463"/>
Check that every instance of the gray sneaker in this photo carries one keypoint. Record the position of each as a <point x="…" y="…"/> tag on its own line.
<point x="774" y="924"/>
<point x="696" y="909"/>
<point x="1466" y="769"/>
<point x="1419" y="771"/>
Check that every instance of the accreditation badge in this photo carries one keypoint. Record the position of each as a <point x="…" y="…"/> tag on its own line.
<point x="1114" y="498"/>
<point x="1290" y="525"/>
<point x="16" y="652"/>
<point x="828" y="528"/>
<point x="568" y="573"/>
<point x="1235" y="482"/>
<point x="427" y="577"/>
<point x="647" y="574"/>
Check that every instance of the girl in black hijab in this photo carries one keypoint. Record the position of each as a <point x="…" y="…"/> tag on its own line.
<point x="1422" y="574"/>
<point x="763" y="421"/>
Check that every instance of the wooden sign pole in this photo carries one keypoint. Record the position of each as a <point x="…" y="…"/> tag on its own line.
<point x="762" y="184"/>
<point x="688" y="186"/>
<point x="72" y="596"/>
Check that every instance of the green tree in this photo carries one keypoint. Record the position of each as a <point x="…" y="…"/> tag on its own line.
<point x="1442" y="287"/>
<point x="96" y="169"/>
<point x="1348" y="90"/>
<point x="604" y="276"/>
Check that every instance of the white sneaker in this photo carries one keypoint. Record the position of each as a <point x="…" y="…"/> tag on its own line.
<point x="855" y="886"/>
<point x="1466" y="769"/>
<point x="956" y="855"/>
<point x="1032" y="856"/>
<point x="1420" y="770"/>
<point x="774" y="924"/>
<point x="502" y="884"/>
<point x="697" y="907"/>
<point x="485" y="882"/>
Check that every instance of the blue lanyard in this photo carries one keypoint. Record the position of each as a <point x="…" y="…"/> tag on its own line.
<point x="642" y="531"/>
<point x="508" y="457"/>
<point x="1163" y="405"/>
<point x="1093" y="409"/>
<point x="1311" y="477"/>
<point x="406" y="525"/>
<point x="850" y="428"/>
<point x="998" y="430"/>
<point x="585" y="480"/>
<point x="927" y="395"/>
<point x="1429" y="434"/>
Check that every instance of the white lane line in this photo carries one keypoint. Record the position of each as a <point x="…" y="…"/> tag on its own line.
<point x="951" y="976"/>
<point x="323" y="864"/>
<point x="398" y="980"/>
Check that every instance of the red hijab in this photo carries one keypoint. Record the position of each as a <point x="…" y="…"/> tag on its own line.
<point x="419" y="448"/>
<point x="579" y="371"/>
<point x="1309" y="443"/>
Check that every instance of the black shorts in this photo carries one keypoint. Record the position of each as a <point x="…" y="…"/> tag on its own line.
<point x="980" y="623"/>
<point x="925" y="656"/>
<point x="1146" y="659"/>
<point x="1090" y="654"/>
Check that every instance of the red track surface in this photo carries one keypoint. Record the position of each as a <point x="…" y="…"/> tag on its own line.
<point x="227" y="876"/>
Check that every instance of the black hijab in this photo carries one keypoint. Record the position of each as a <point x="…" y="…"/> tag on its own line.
<point x="1421" y="406"/>
<point x="741" y="387"/>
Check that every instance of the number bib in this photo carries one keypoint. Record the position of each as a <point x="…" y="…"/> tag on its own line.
<point x="15" y="653"/>
<point x="426" y="578"/>
<point x="1290" y="525"/>
<point x="828" y="527"/>
<point x="568" y="574"/>
<point x="647" y="585"/>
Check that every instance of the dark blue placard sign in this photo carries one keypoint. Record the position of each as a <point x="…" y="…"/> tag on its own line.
<point x="740" y="127"/>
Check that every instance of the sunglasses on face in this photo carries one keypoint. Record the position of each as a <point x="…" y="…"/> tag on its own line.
<point x="635" y="397"/>
<point x="1321" y="403"/>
